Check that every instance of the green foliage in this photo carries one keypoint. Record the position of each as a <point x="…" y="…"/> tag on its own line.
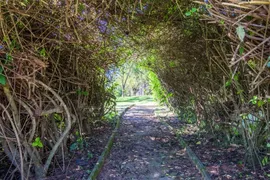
<point x="235" y="131"/>
<point x="222" y="22"/>
<point x="7" y="60"/>
<point x="188" y="115"/>
<point x="158" y="91"/>
<point x="241" y="50"/>
<point x="172" y="64"/>
<point x="83" y="93"/>
<point x="110" y="117"/>
<point x="78" y="144"/>
<point x="209" y="6"/>
<point x="37" y="143"/>
<point x="59" y="120"/>
<point x="89" y="155"/>
<point x="13" y="45"/>
<point x="260" y="103"/>
<point x="42" y="52"/>
<point x="128" y="101"/>
<point x="81" y="8"/>
<point x="252" y="64"/>
<point x="191" y="12"/>
<point x="57" y="117"/>
<point x="265" y="160"/>
<point x="228" y="83"/>
<point x="2" y="77"/>
<point x="254" y="100"/>
<point x="131" y="79"/>
<point x="24" y="2"/>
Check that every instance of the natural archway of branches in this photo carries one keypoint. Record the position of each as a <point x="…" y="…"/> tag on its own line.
<point x="208" y="61"/>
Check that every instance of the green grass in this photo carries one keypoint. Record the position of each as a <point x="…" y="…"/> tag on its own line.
<point x="123" y="102"/>
<point x="135" y="99"/>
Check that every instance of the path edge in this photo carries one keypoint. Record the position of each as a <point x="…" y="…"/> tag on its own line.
<point x="191" y="154"/>
<point x="96" y="170"/>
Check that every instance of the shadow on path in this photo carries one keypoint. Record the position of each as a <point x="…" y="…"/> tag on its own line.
<point x="146" y="149"/>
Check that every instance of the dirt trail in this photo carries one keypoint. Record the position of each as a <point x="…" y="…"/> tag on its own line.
<point x="146" y="149"/>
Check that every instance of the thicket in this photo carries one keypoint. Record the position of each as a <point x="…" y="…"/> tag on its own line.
<point x="215" y="61"/>
<point x="211" y="58"/>
<point x="54" y="57"/>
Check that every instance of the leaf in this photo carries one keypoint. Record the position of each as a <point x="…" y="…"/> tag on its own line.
<point x="81" y="8"/>
<point x="209" y="6"/>
<point x="172" y="64"/>
<point x="5" y="39"/>
<point x="90" y="155"/>
<point x="198" y="143"/>
<point x="73" y="147"/>
<point x="193" y="10"/>
<point x="85" y="93"/>
<point x="22" y="3"/>
<point x="265" y="161"/>
<point x="252" y="64"/>
<point x="260" y="103"/>
<point x="236" y="77"/>
<point x="254" y="100"/>
<point x="228" y="83"/>
<point x="222" y="22"/>
<point x="3" y="80"/>
<point x="240" y="91"/>
<point x="57" y="117"/>
<point x="13" y="44"/>
<point x="37" y="143"/>
<point x="188" y="13"/>
<point x="268" y="145"/>
<point x="241" y="50"/>
<point x="235" y="131"/>
<point x="42" y="52"/>
<point x="8" y="58"/>
<point x="241" y="32"/>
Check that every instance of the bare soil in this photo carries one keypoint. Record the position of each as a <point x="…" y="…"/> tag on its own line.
<point x="224" y="161"/>
<point x="79" y="163"/>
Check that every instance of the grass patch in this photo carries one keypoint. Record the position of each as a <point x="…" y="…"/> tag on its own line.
<point x="134" y="99"/>
<point x="123" y="102"/>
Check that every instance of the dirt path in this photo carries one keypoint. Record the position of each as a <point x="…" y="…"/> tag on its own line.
<point x="146" y="149"/>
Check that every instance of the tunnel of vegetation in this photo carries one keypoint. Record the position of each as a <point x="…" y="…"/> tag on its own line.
<point x="209" y="61"/>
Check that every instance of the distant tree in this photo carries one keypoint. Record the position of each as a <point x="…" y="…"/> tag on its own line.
<point x="132" y="79"/>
